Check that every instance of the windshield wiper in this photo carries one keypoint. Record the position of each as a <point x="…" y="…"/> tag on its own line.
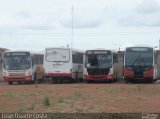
<point x="137" y="60"/>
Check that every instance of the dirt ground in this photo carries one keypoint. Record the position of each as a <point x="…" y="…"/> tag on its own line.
<point x="80" y="97"/>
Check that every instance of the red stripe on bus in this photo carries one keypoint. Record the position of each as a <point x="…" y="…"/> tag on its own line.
<point x="149" y="73"/>
<point x="98" y="77"/>
<point x="59" y="74"/>
<point x="17" y="78"/>
<point x="128" y="73"/>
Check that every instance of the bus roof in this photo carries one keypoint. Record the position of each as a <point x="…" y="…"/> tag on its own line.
<point x="101" y="50"/>
<point x="77" y="50"/>
<point x="32" y="52"/>
<point x="139" y="46"/>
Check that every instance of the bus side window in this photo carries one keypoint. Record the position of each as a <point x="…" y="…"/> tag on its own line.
<point x="77" y="57"/>
<point x="156" y="55"/>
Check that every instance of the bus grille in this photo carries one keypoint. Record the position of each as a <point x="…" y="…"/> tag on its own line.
<point x="17" y="74"/>
<point x="138" y="74"/>
<point x="98" y="71"/>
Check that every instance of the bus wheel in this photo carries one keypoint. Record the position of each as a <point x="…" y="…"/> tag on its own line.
<point x="10" y="82"/>
<point x="89" y="81"/>
<point x="61" y="80"/>
<point x="54" y="80"/>
<point x="111" y="81"/>
<point x="81" y="79"/>
<point x="76" y="78"/>
<point x="126" y="80"/>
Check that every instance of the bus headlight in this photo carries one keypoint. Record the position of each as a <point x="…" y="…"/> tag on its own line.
<point x="129" y="68"/>
<point x="28" y="73"/>
<point x="111" y="71"/>
<point x="85" y="71"/>
<point x="5" y="73"/>
<point x="148" y="68"/>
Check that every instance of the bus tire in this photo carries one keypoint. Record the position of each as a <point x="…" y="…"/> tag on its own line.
<point x="54" y="81"/>
<point x="126" y="81"/>
<point x="81" y="79"/>
<point x="10" y="82"/>
<point x="76" y="77"/>
<point x="89" y="81"/>
<point x="61" y="80"/>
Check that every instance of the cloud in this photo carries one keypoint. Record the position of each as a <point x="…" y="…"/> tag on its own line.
<point x="28" y="21"/>
<point x="82" y="18"/>
<point x="145" y="14"/>
<point x="3" y="20"/>
<point x="141" y="20"/>
<point x="148" y="7"/>
<point x="38" y="23"/>
<point x="24" y="14"/>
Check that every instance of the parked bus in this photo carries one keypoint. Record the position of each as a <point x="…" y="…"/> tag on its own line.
<point x="139" y="64"/>
<point x="63" y="64"/>
<point x="101" y="65"/>
<point x="2" y="50"/>
<point x="22" y="66"/>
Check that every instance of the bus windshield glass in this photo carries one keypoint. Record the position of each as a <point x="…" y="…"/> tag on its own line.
<point x="139" y="57"/>
<point x="17" y="61"/>
<point x="57" y="55"/>
<point x="103" y="60"/>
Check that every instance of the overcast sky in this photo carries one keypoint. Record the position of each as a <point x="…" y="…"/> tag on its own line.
<point x="109" y="24"/>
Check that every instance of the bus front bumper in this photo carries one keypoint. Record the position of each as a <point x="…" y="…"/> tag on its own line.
<point x="58" y="75"/>
<point x="98" y="77"/>
<point x="18" y="78"/>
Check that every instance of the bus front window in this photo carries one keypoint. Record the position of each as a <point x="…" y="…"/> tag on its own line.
<point x="139" y="58"/>
<point x="17" y="62"/>
<point x="100" y="60"/>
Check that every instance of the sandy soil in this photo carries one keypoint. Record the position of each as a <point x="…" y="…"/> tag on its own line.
<point x="80" y="97"/>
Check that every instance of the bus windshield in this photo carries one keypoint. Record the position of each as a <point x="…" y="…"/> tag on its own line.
<point x="99" y="60"/>
<point x="17" y="61"/>
<point x="57" y="55"/>
<point x="141" y="57"/>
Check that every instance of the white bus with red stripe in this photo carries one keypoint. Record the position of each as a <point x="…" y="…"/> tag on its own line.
<point x="22" y="66"/>
<point x="63" y="64"/>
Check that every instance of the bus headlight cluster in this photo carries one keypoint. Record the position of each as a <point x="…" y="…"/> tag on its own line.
<point x="111" y="71"/>
<point x="85" y="71"/>
<point x="28" y="73"/>
<point x="5" y="73"/>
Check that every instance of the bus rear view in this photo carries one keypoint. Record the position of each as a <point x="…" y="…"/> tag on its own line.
<point x="63" y="64"/>
<point x="139" y="64"/>
<point x="100" y="66"/>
